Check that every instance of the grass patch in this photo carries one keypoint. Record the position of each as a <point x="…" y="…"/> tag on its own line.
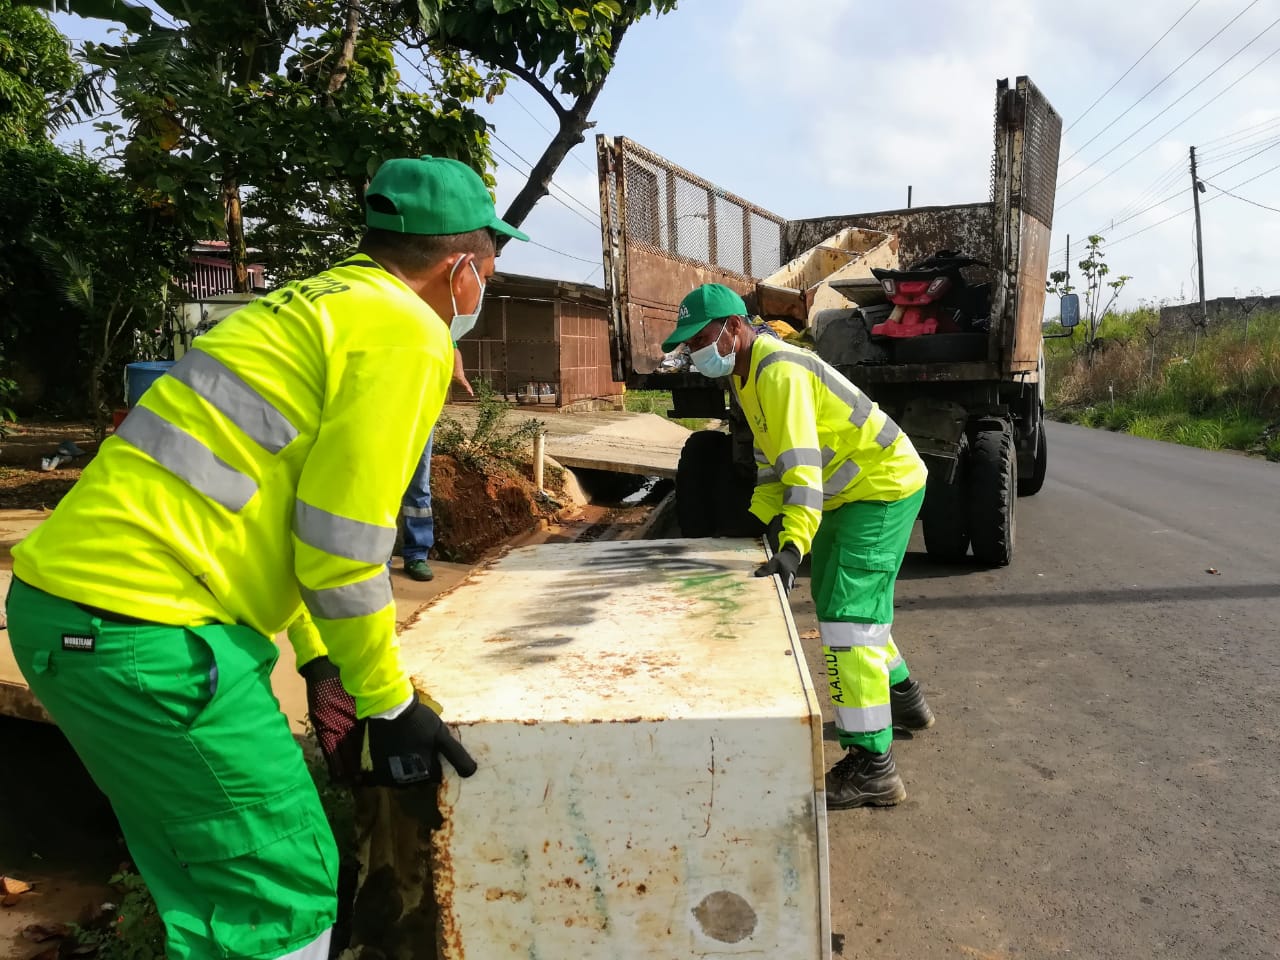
<point x="659" y="402"/>
<point x="1217" y="391"/>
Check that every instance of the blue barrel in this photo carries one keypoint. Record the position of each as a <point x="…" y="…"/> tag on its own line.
<point x="138" y="376"/>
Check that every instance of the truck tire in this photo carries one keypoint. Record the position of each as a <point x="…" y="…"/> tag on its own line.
<point x="733" y="516"/>
<point x="944" y="517"/>
<point x="701" y="467"/>
<point x="1029" y="486"/>
<point x="993" y="484"/>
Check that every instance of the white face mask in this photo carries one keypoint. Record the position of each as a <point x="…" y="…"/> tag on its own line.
<point x="709" y="362"/>
<point x="464" y="323"/>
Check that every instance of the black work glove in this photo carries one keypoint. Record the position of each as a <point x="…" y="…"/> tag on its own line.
<point x="773" y="534"/>
<point x="333" y="719"/>
<point x="784" y="563"/>
<point x="407" y="749"/>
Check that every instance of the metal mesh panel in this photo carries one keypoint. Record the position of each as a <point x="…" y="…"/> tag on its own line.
<point x="1042" y="134"/>
<point x="669" y="210"/>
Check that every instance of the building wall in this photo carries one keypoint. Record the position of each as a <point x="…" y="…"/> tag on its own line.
<point x="1183" y="316"/>
<point x="538" y="347"/>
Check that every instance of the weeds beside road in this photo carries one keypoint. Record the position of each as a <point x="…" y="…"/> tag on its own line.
<point x="1220" y="390"/>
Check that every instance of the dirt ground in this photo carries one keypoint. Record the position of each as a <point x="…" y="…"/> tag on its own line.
<point x="23" y="485"/>
<point x="474" y="512"/>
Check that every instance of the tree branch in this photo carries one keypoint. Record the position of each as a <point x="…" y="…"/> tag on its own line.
<point x="349" y="34"/>
<point x="573" y="129"/>
<point x="533" y="80"/>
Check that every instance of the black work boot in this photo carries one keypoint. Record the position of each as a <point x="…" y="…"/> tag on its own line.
<point x="863" y="779"/>
<point x="910" y="709"/>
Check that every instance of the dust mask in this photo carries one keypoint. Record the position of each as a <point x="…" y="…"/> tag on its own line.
<point x="464" y="323"/>
<point x="709" y="362"/>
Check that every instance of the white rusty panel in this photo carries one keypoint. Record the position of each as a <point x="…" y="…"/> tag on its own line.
<point x="650" y="779"/>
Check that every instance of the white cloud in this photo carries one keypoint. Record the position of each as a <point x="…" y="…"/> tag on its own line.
<point x="810" y="108"/>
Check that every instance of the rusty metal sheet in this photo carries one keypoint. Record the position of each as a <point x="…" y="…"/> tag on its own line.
<point x="650" y="775"/>
<point x="921" y="231"/>
<point x="657" y="283"/>
<point x="1033" y="269"/>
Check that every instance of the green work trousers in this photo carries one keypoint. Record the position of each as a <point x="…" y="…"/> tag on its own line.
<point x="180" y="729"/>
<point x="856" y="556"/>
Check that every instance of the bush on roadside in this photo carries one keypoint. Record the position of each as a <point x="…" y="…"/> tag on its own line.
<point x="1217" y="391"/>
<point x="489" y="442"/>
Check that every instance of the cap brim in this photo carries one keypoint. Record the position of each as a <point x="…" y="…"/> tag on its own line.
<point x="682" y="333"/>
<point x="506" y="229"/>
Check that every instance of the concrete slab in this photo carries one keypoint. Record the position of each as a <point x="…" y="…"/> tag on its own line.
<point x="643" y="444"/>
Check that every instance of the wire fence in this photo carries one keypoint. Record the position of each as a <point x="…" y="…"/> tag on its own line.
<point x="669" y="210"/>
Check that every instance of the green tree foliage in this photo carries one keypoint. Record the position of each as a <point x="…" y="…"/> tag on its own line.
<point x="35" y="66"/>
<point x="85" y="261"/>
<point x="560" y="50"/>
<point x="1100" y="293"/>
<point x="287" y="104"/>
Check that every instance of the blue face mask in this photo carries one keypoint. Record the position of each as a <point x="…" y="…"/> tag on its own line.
<point x="463" y="323"/>
<point x="709" y="362"/>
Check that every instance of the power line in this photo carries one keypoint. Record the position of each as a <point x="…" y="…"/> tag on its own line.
<point x="1219" y="156"/>
<point x="1115" y="223"/>
<point x="582" y="163"/>
<point x="1162" y="80"/>
<point x="593" y="222"/>
<point x="551" y="196"/>
<point x="1161" y="138"/>
<point x="1132" y="66"/>
<point x="1240" y="163"/>
<point x="566" y="193"/>
<point x="560" y="252"/>
<point x="1245" y="199"/>
<point x="1255" y="130"/>
<point x="1187" y="210"/>
<point x="1184" y="96"/>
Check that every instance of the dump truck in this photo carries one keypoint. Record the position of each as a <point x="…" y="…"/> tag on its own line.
<point x="969" y="391"/>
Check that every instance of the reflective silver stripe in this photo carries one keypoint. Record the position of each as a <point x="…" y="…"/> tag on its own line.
<point x="184" y="456"/>
<point x="759" y="455"/>
<point x="802" y="496"/>
<point x="844" y="475"/>
<point x="857" y="401"/>
<point x="340" y="536"/>
<point x="767" y="475"/>
<point x="798" y="457"/>
<point x="827" y="456"/>
<point x="864" y="719"/>
<point x="888" y="433"/>
<point x="896" y="662"/>
<point x="353" y="600"/>
<point x="421" y="512"/>
<point x="224" y="389"/>
<point x="846" y="636"/>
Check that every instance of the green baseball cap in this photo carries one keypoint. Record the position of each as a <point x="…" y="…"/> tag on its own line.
<point x="711" y="301"/>
<point x="433" y="196"/>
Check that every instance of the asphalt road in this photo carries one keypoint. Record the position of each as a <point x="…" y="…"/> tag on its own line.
<point x="1104" y="777"/>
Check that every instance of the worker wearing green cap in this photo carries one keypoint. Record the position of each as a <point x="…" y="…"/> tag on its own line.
<point x="843" y="483"/>
<point x="254" y="487"/>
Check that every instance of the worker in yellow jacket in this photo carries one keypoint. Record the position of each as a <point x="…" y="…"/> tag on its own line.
<point x="255" y="487"/>
<point x="846" y="484"/>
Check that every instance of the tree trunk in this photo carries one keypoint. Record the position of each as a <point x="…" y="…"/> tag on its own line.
<point x="573" y="129"/>
<point x="347" y="51"/>
<point x="235" y="230"/>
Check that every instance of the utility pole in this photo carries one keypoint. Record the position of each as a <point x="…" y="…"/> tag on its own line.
<point x="1068" y="282"/>
<point x="1197" y="188"/>
<point x="908" y="196"/>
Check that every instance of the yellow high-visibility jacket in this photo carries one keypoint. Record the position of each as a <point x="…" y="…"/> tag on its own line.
<point x="820" y="441"/>
<point x="263" y="472"/>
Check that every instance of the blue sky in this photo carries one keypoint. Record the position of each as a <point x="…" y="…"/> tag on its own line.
<point x="815" y="107"/>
